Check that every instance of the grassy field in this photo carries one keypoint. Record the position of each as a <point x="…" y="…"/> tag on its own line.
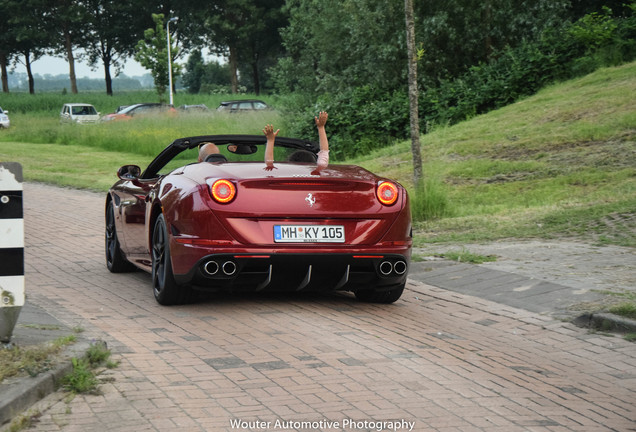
<point x="88" y="156"/>
<point x="560" y="163"/>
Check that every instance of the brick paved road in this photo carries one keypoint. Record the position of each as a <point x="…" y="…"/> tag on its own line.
<point x="445" y="361"/>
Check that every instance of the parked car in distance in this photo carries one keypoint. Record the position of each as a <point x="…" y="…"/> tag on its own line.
<point x="200" y="108"/>
<point x="140" y="109"/>
<point x="236" y="106"/>
<point x="4" y="119"/>
<point x="79" y="113"/>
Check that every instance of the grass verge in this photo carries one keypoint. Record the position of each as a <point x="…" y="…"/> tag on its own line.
<point x="626" y="309"/>
<point x="24" y="421"/>
<point x="15" y="361"/>
<point x="466" y="256"/>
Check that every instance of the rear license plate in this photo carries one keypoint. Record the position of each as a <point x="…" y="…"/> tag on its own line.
<point x="309" y="234"/>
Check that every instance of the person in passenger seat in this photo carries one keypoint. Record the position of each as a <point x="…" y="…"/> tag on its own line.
<point x="323" y="154"/>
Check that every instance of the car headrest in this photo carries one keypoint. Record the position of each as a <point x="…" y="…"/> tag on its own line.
<point x="215" y="157"/>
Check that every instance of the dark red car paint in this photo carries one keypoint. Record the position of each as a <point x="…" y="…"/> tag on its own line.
<point x="201" y="229"/>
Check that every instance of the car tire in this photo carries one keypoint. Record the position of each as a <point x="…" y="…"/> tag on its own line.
<point x="166" y="290"/>
<point x="389" y="296"/>
<point x="115" y="261"/>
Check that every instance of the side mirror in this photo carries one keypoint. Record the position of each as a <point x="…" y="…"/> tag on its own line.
<point x="129" y="172"/>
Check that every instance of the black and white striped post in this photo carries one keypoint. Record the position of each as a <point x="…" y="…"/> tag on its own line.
<point x="11" y="248"/>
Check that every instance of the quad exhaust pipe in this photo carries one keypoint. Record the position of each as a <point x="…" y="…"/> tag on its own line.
<point x="388" y="268"/>
<point x="229" y="268"/>
<point x="400" y="267"/>
<point x="211" y="268"/>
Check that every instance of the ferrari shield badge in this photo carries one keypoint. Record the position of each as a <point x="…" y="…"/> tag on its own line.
<point x="310" y="200"/>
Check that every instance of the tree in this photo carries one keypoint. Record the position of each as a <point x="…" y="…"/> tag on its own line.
<point x="334" y="45"/>
<point x="7" y="47"/>
<point x="152" y="53"/>
<point x="227" y="22"/>
<point x="216" y="78"/>
<point x="211" y="77"/>
<point x="246" y="32"/>
<point x="458" y="34"/>
<point x="4" y="61"/>
<point x="31" y="33"/>
<point x="261" y="47"/>
<point x="68" y="23"/>
<point x="194" y="71"/>
<point x="115" y="27"/>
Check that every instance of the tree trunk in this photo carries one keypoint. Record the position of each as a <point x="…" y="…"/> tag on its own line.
<point x="27" y="65"/>
<point x="108" y="78"/>
<point x="255" y="78"/>
<point x="233" y="69"/>
<point x="71" y="61"/>
<point x="413" y="92"/>
<point x="5" y="77"/>
<point x="488" y="23"/>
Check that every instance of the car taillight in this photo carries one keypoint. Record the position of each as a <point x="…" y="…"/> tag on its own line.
<point x="223" y="191"/>
<point x="387" y="193"/>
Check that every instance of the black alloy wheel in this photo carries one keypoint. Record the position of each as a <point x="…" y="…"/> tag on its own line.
<point x="115" y="261"/>
<point x="166" y="290"/>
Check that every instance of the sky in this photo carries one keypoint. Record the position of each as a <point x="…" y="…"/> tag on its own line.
<point x="58" y="66"/>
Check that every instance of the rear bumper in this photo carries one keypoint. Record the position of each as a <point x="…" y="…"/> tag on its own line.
<point x="298" y="272"/>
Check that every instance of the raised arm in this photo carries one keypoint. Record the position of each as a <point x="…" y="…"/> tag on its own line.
<point x="323" y="154"/>
<point x="269" y="147"/>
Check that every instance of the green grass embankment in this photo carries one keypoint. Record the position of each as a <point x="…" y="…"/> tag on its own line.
<point x="559" y="163"/>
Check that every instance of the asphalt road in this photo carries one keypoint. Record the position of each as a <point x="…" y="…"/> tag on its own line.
<point x="435" y="360"/>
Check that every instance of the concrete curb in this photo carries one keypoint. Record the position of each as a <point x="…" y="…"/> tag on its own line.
<point x="20" y="394"/>
<point x="606" y="322"/>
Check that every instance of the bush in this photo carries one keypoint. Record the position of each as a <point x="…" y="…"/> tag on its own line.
<point x="594" y="41"/>
<point x="361" y="119"/>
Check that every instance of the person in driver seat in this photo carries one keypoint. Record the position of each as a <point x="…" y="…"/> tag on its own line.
<point x="209" y="152"/>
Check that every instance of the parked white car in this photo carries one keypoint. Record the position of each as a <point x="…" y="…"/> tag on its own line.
<point x="4" y="119"/>
<point x="79" y="113"/>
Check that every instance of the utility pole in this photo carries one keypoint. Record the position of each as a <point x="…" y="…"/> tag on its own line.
<point x="169" y="58"/>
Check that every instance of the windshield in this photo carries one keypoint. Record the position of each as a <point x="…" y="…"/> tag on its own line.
<point x="84" y="110"/>
<point x="128" y="109"/>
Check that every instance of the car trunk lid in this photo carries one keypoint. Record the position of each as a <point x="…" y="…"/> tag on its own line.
<point x="296" y="197"/>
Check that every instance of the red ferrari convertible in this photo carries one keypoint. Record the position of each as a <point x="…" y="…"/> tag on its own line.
<point x="231" y="224"/>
